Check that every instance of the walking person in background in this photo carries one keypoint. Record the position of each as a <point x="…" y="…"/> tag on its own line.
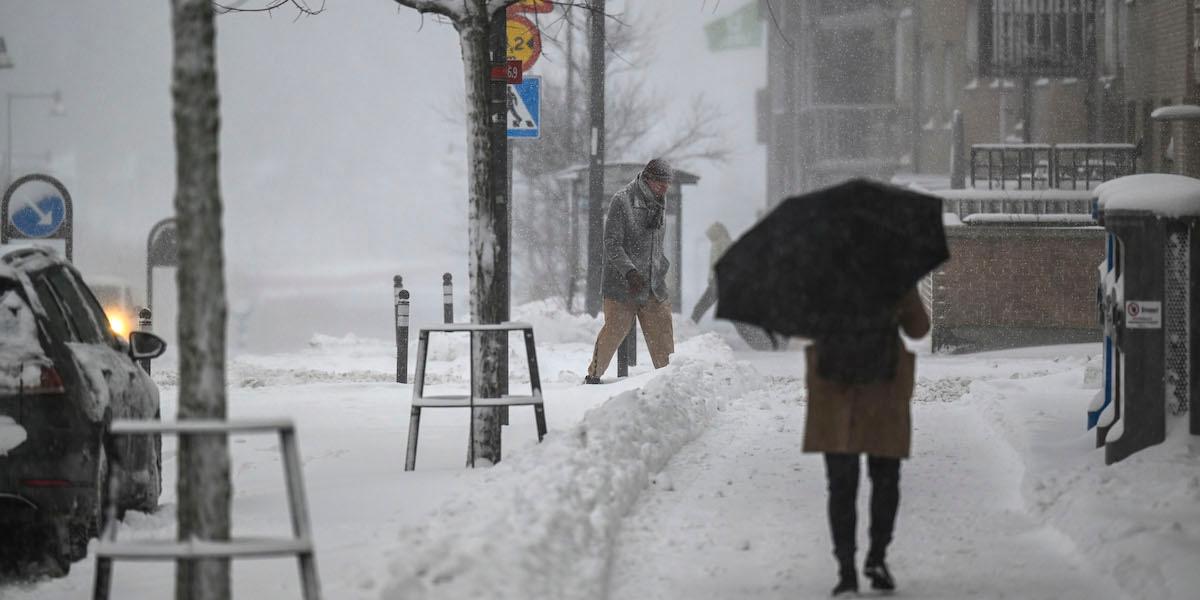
<point x="718" y="237"/>
<point x="859" y="389"/>
<point x="635" y="270"/>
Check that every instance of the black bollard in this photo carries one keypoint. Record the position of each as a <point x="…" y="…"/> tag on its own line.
<point x="145" y="323"/>
<point x="631" y="343"/>
<point x="447" y="299"/>
<point x="400" y="299"/>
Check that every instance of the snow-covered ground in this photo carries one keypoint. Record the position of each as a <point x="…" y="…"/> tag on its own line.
<point x="683" y="483"/>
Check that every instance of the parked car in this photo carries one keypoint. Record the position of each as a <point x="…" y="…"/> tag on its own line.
<point x="64" y="376"/>
<point x="116" y="298"/>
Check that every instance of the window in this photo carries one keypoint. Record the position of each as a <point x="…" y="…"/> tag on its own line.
<point x="94" y="307"/>
<point x="1053" y="39"/>
<point x="57" y="326"/>
<point x="87" y="328"/>
<point x="853" y="67"/>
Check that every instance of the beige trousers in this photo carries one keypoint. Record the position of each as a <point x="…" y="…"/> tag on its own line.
<point x="657" y="328"/>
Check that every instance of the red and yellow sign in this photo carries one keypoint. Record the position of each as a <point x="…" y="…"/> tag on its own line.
<point x="524" y="41"/>
<point x="531" y="6"/>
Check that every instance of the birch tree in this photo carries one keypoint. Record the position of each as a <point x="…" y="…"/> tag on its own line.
<point x="204" y="486"/>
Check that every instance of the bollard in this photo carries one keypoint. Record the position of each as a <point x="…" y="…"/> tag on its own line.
<point x="400" y="300"/>
<point x="447" y="298"/>
<point x="145" y="324"/>
<point x="631" y="342"/>
<point x="627" y="352"/>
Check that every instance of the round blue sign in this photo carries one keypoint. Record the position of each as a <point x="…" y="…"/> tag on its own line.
<point x="41" y="218"/>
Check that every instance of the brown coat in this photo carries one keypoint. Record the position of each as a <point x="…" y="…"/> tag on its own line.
<point x="868" y="418"/>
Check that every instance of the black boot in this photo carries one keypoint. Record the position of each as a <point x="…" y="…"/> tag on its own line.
<point x="847" y="581"/>
<point x="881" y="578"/>
<point x="590" y="380"/>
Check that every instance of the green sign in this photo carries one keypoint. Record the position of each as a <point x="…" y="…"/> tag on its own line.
<point x="741" y="29"/>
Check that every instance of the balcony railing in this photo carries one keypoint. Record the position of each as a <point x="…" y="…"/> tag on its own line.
<point x="1050" y="38"/>
<point x="1046" y="166"/>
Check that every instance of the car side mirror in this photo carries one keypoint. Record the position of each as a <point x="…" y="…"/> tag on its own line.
<point x="144" y="345"/>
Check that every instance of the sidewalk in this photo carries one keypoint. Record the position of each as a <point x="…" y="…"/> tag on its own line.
<point x="740" y="513"/>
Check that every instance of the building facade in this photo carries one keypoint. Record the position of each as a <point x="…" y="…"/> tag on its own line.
<point x="869" y="87"/>
<point x="832" y="107"/>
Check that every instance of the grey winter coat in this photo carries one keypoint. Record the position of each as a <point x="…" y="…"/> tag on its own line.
<point x="631" y="241"/>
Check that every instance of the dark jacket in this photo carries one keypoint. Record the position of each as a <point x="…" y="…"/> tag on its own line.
<point x="870" y="418"/>
<point x="633" y="239"/>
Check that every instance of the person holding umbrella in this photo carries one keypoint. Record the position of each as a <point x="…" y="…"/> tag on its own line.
<point x="635" y="270"/>
<point x="859" y="389"/>
<point x="840" y="266"/>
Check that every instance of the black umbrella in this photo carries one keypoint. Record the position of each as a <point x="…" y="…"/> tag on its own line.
<point x="832" y="261"/>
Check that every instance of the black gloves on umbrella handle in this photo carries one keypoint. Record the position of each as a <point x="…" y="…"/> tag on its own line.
<point x="635" y="281"/>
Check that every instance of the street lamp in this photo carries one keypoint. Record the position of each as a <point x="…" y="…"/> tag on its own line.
<point x="57" y="109"/>
<point x="5" y="61"/>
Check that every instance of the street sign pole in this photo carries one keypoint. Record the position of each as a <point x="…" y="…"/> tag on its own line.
<point x="596" y="160"/>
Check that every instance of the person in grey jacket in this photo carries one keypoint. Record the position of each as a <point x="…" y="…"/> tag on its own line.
<point x="635" y="270"/>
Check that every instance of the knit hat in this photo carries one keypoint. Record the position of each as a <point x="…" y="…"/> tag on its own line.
<point x="658" y="169"/>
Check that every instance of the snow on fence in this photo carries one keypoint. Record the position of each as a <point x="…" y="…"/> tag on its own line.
<point x="963" y="203"/>
<point x="544" y="524"/>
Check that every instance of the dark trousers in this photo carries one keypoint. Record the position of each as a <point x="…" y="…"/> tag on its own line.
<point x="842" y="473"/>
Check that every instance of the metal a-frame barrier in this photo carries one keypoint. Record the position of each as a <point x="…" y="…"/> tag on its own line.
<point x="300" y="545"/>
<point x="469" y="400"/>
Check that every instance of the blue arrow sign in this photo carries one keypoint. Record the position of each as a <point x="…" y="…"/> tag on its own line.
<point x="41" y="218"/>
<point x="525" y="108"/>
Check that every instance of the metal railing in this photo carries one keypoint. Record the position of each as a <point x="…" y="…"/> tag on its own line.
<point x="1049" y="166"/>
<point x="1028" y="166"/>
<point x="1091" y="164"/>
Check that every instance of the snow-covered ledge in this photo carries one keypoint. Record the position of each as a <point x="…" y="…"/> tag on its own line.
<point x="1178" y="112"/>
<point x="1163" y="194"/>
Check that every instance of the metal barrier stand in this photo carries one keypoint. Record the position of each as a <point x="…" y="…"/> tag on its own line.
<point x="470" y="401"/>
<point x="300" y="545"/>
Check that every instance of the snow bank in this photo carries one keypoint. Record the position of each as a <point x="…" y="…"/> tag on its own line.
<point x="552" y="324"/>
<point x="1138" y="519"/>
<point x="542" y="523"/>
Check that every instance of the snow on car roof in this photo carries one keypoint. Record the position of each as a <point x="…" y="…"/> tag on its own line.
<point x="1162" y="194"/>
<point x="28" y="257"/>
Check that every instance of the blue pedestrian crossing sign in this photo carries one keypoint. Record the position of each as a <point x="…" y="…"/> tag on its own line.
<point x="524" y="108"/>
<point x="40" y="217"/>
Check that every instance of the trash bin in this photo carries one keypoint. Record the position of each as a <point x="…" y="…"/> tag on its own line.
<point x="1151" y="302"/>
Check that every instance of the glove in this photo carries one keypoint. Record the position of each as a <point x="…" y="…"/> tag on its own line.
<point x="635" y="281"/>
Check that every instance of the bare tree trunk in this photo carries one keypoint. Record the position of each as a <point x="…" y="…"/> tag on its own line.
<point x="204" y="487"/>
<point x="484" y="252"/>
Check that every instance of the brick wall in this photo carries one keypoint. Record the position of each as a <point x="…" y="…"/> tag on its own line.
<point x="1016" y="286"/>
